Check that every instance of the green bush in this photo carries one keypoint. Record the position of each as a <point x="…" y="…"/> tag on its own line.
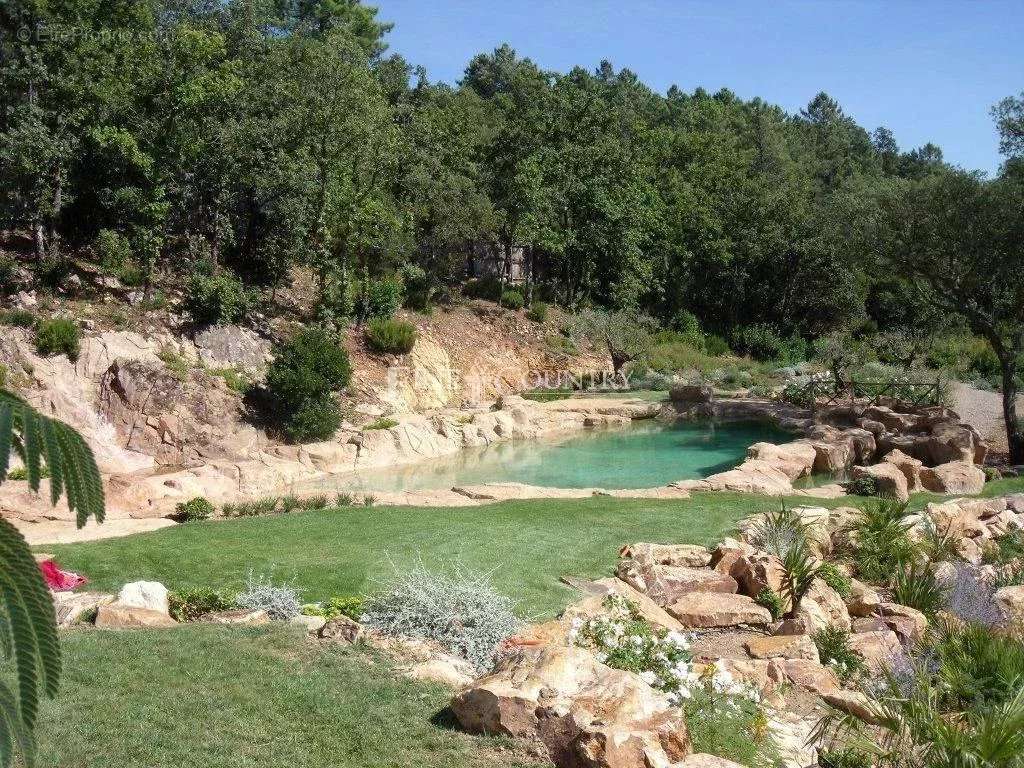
<point x="378" y="297"/>
<point x="193" y="603"/>
<point x="978" y="667"/>
<point x="763" y="342"/>
<point x="538" y="312"/>
<point x="844" y="757"/>
<point x="883" y="544"/>
<point x="18" y="318"/>
<point x="332" y="608"/>
<point x="8" y="269"/>
<point x="316" y="419"/>
<point x="59" y="335"/>
<point x="236" y="380"/>
<point x="865" y="485"/>
<point x="834" y="649"/>
<point x="833" y="577"/>
<point x="512" y="300"/>
<point x="217" y="299"/>
<point x="715" y="346"/>
<point x="770" y="599"/>
<point x="482" y="288"/>
<point x="418" y="289"/>
<point x="116" y="257"/>
<point x="395" y="337"/>
<point x="300" y="382"/>
<point x="194" y="509"/>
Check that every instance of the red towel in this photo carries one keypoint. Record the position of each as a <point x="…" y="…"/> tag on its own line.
<point x="58" y="580"/>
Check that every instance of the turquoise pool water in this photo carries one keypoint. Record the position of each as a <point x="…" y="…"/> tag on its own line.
<point x="643" y="455"/>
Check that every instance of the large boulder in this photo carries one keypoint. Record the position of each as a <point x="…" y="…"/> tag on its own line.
<point x="752" y="476"/>
<point x="782" y="647"/>
<point x="593" y="605"/>
<point x="690" y="555"/>
<point x="955" y="477"/>
<point x="717" y="609"/>
<point x="118" y="616"/>
<point x="795" y="459"/>
<point x="73" y="607"/>
<point x="586" y="714"/>
<point x="145" y="594"/>
<point x="231" y="346"/>
<point x="877" y="648"/>
<point x="909" y="466"/>
<point x="890" y="479"/>
<point x="863" y="600"/>
<point x="689" y="394"/>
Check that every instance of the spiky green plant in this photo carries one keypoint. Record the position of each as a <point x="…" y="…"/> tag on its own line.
<point x="28" y="629"/>
<point x="915" y="584"/>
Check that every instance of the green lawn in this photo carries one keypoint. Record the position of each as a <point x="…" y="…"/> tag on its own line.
<point x="261" y="697"/>
<point x="527" y="544"/>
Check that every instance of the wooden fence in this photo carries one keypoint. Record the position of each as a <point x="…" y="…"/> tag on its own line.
<point x="865" y="394"/>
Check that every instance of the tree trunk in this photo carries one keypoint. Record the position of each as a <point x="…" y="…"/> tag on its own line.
<point x="39" y="240"/>
<point x="1014" y="434"/>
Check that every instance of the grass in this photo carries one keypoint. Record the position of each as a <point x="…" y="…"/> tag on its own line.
<point x="346" y="551"/>
<point x="230" y="697"/>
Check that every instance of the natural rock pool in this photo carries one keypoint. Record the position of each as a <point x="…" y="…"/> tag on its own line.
<point x="643" y="455"/>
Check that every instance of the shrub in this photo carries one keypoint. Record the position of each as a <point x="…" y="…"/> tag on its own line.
<point x="300" y="382"/>
<point x="833" y="644"/>
<point x="914" y="585"/>
<point x="538" y="312"/>
<point x="763" y="342"/>
<point x="217" y="299"/>
<point x="344" y="500"/>
<point x="59" y="335"/>
<point x="115" y="255"/>
<point x="177" y="365"/>
<point x="8" y="271"/>
<point x="1004" y="549"/>
<point x="777" y="531"/>
<point x="332" y="608"/>
<point x="378" y="297"/>
<point x="512" y="300"/>
<point x="19" y="318"/>
<point x="418" y="289"/>
<point x="382" y="423"/>
<point x="978" y="667"/>
<point x="844" y="757"/>
<point x="192" y="603"/>
<point x="883" y="542"/>
<point x="482" y="288"/>
<point x="865" y="485"/>
<point x="839" y="581"/>
<point x="458" y="609"/>
<point x="395" y="337"/>
<point x="280" y="601"/>
<point x="319" y="501"/>
<point x="194" y="509"/>
<point x="770" y="599"/>
<point x="715" y="346"/>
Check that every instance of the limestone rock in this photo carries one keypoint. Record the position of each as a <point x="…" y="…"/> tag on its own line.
<point x="909" y="466"/>
<point x="953" y="478"/>
<point x="782" y="647"/>
<point x="238" y="617"/>
<point x="853" y="703"/>
<point x="118" y="616"/>
<point x="752" y="476"/>
<point x="830" y="602"/>
<point x="312" y="624"/>
<point x="145" y="594"/>
<point x="71" y="607"/>
<point x="717" y="609"/>
<point x="593" y="605"/>
<point x="588" y="715"/>
<point x="704" y="760"/>
<point x="905" y="621"/>
<point x="689" y="555"/>
<point x="878" y="648"/>
<point x="1011" y="601"/>
<point x="811" y="676"/>
<point x="449" y="671"/>
<point x="341" y="629"/>
<point x="794" y="459"/>
<point x="231" y="346"/>
<point x="863" y="601"/>
<point x="890" y="479"/>
<point x="691" y="393"/>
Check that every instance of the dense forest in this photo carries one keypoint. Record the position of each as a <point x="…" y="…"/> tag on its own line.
<point x="248" y="137"/>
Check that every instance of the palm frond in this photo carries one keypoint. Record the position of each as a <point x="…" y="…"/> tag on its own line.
<point x="28" y="627"/>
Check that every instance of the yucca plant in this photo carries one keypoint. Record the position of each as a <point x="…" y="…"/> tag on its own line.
<point x="28" y="630"/>
<point x="882" y="533"/>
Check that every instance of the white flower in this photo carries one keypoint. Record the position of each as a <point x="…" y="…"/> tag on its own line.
<point x="648" y="677"/>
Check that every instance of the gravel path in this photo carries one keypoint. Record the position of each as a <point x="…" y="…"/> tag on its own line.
<point x="984" y="410"/>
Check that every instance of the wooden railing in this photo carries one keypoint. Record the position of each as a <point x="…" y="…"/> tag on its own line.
<point x="865" y="394"/>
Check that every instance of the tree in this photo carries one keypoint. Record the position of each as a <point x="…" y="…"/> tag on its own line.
<point x="28" y="629"/>
<point x="961" y="239"/>
<point x="625" y="335"/>
<point x="1009" y="117"/>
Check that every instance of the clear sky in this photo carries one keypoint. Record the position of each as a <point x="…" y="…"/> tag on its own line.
<point x="928" y="70"/>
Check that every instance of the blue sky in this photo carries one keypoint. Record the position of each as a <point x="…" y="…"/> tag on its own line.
<point x="929" y="71"/>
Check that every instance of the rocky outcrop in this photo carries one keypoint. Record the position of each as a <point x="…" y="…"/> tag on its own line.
<point x="715" y="609"/>
<point x="586" y="714"/>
